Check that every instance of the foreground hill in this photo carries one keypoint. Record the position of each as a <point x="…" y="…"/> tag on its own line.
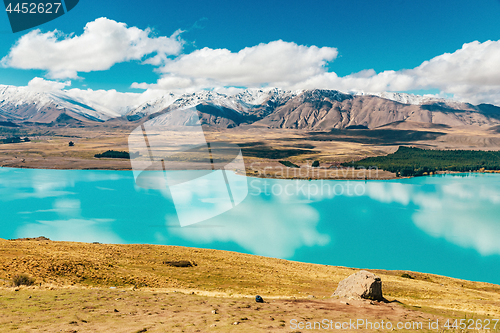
<point x="137" y="288"/>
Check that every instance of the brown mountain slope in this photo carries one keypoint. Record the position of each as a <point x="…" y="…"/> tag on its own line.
<point x="319" y="110"/>
<point x="310" y="109"/>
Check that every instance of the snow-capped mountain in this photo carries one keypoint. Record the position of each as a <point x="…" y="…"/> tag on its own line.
<point x="25" y="104"/>
<point x="330" y="109"/>
<point x="321" y="109"/>
<point x="405" y="98"/>
<point x="250" y="101"/>
<point x="274" y="108"/>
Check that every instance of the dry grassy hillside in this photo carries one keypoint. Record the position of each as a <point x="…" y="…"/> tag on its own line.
<point x="81" y="287"/>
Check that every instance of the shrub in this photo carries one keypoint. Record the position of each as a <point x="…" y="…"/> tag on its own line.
<point x="180" y="263"/>
<point x="289" y="164"/>
<point x="71" y="144"/>
<point x="23" y="280"/>
<point x="407" y="276"/>
<point x="116" y="154"/>
<point x="14" y="139"/>
<point x="315" y="164"/>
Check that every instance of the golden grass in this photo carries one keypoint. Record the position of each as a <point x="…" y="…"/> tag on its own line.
<point x="73" y="280"/>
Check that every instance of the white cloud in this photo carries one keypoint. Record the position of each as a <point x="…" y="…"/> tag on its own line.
<point x="471" y="73"/>
<point x="103" y="43"/>
<point x="275" y="63"/>
<point x="40" y="84"/>
<point x="110" y="99"/>
<point x="474" y="64"/>
<point x="115" y="100"/>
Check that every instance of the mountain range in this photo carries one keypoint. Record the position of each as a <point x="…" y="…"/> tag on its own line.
<point x="273" y="108"/>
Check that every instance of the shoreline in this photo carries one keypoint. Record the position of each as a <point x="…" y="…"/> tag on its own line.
<point x="249" y="174"/>
<point x="262" y="157"/>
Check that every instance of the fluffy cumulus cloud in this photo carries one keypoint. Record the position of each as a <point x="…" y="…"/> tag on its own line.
<point x="103" y="43"/>
<point x="471" y="73"/>
<point x="474" y="64"/>
<point x="111" y="99"/>
<point x="115" y="100"/>
<point x="40" y="84"/>
<point x="276" y="62"/>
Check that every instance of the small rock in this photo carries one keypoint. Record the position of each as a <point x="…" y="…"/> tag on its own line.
<point x="214" y="311"/>
<point x="259" y="299"/>
<point x="311" y="296"/>
<point x="115" y="310"/>
<point x="236" y="323"/>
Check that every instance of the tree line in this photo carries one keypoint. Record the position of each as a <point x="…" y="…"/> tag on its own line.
<point x="116" y="154"/>
<point x="409" y="161"/>
<point x="15" y="139"/>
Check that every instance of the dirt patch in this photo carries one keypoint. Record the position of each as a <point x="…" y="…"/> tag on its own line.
<point x="123" y="310"/>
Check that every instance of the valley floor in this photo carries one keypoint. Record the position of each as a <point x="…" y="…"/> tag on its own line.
<point x="262" y="148"/>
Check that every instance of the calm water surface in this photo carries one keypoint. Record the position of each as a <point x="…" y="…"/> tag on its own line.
<point x="448" y="225"/>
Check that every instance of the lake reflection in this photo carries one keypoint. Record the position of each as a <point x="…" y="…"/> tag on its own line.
<point x="446" y="225"/>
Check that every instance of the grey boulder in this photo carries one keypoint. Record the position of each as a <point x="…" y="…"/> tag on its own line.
<point x="362" y="284"/>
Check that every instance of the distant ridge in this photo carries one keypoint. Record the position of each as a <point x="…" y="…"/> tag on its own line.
<point x="274" y="108"/>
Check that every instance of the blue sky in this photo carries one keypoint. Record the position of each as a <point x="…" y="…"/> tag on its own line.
<point x="378" y="35"/>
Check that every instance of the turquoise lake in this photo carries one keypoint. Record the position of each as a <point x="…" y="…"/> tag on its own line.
<point x="447" y="225"/>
